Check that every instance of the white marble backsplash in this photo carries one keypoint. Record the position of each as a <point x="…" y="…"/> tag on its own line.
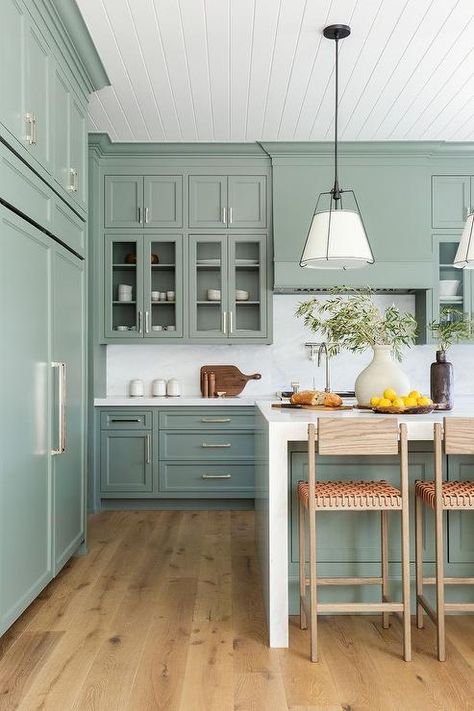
<point x="282" y="362"/>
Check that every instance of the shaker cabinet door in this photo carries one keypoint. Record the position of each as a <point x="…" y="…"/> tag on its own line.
<point x="163" y="201"/>
<point x="450" y="200"/>
<point x="37" y="96"/>
<point x="126" y="461"/>
<point x="62" y="118"/>
<point x="208" y="201"/>
<point x="123" y="201"/>
<point x="12" y="68"/>
<point x="68" y="347"/>
<point x="78" y="152"/>
<point x="247" y="201"/>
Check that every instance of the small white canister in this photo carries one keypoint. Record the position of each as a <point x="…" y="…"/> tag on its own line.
<point x="158" y="388"/>
<point x="173" y="388"/>
<point x="136" y="388"/>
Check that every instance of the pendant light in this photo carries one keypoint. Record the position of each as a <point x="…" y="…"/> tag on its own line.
<point x="464" y="258"/>
<point x="336" y="237"/>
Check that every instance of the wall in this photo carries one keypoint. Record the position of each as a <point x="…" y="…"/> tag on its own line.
<point x="280" y="363"/>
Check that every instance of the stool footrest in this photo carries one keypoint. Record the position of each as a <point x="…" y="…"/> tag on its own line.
<point x="459" y="606"/>
<point x="347" y="581"/>
<point x="449" y="581"/>
<point x="352" y="607"/>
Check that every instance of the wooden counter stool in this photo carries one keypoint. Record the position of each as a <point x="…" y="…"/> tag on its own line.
<point x="443" y="496"/>
<point x="341" y="437"/>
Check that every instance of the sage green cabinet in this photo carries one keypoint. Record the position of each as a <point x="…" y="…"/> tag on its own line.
<point x="149" y="264"/>
<point x="12" y="67"/>
<point x="228" y="286"/>
<point x="126" y="461"/>
<point x="77" y="152"/>
<point x="234" y="202"/>
<point x="25" y="476"/>
<point x="452" y="199"/>
<point x="444" y="251"/>
<point x="68" y="352"/>
<point x="38" y="96"/>
<point x="460" y="523"/>
<point x="61" y="134"/>
<point x="143" y="202"/>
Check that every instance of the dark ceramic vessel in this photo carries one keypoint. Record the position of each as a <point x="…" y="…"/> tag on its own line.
<point x="442" y="382"/>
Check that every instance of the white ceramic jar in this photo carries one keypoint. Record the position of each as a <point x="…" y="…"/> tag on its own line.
<point x="136" y="388"/>
<point x="158" y="388"/>
<point x="173" y="388"/>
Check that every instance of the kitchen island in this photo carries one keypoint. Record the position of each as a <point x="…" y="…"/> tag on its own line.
<point x="278" y="434"/>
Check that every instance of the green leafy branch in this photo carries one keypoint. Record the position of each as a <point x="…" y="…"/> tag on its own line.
<point x="355" y="323"/>
<point x="453" y="326"/>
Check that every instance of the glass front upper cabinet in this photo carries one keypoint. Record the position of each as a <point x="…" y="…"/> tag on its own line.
<point x="247" y="289"/>
<point x="123" y="286"/>
<point x="208" y="286"/>
<point x="452" y="286"/>
<point x="163" y="286"/>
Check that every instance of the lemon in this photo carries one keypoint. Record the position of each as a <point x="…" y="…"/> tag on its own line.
<point x="398" y="402"/>
<point x="415" y="393"/>
<point x="410" y="402"/>
<point x="423" y="400"/>
<point x="389" y="394"/>
<point x="374" y="401"/>
<point x="384" y="402"/>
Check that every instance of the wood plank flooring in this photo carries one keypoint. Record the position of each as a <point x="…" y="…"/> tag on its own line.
<point x="165" y="613"/>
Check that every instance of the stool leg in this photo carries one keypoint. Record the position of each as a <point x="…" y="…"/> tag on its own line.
<point x="385" y="583"/>
<point x="302" y="563"/>
<point x="405" y="544"/>
<point x="440" y="625"/>
<point x="419" y="559"/>
<point x="313" y="587"/>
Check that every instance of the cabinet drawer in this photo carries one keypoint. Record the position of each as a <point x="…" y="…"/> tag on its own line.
<point x="126" y="420"/>
<point x="206" y="446"/>
<point x="68" y="227"/>
<point x="202" y="478"/>
<point x="209" y="418"/>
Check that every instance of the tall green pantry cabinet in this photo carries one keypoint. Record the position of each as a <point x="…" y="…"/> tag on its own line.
<point x="48" y="66"/>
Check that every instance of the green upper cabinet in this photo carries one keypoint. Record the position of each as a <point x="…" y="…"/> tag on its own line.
<point x="78" y="153"/>
<point x="123" y="307"/>
<point x="451" y="200"/>
<point x="247" y="286"/>
<point x="155" y="201"/>
<point x="247" y="201"/>
<point x="208" y="287"/>
<point x="123" y="201"/>
<point x="163" y="201"/>
<point x="236" y="202"/>
<point x="207" y="201"/>
<point x="61" y="133"/>
<point x="37" y="96"/>
<point x="12" y="68"/>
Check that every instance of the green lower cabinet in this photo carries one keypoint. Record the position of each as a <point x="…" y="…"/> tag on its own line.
<point x="126" y="462"/>
<point x="207" y="446"/>
<point x="209" y="479"/>
<point x="460" y="523"/>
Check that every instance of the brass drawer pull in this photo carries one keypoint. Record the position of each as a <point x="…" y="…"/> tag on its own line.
<point x="220" y="446"/>
<point x="215" y="419"/>
<point x="118" y="419"/>
<point x="216" y="476"/>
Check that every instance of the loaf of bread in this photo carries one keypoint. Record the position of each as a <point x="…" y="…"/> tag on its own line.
<point x="316" y="397"/>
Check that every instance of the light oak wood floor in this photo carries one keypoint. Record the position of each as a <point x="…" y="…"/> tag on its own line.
<point x="165" y="612"/>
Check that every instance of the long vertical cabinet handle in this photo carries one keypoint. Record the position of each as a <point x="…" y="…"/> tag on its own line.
<point x="224" y="322"/>
<point x="147" y="322"/>
<point x="30" y="135"/>
<point x="147" y="441"/>
<point x="147" y="215"/>
<point x="231" y="322"/>
<point x="61" y="408"/>
<point x="139" y="211"/>
<point x="224" y="215"/>
<point x="230" y="215"/>
<point x="76" y="181"/>
<point x="140" y="322"/>
<point x="73" y="180"/>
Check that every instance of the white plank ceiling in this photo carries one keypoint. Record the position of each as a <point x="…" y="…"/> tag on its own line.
<point x="247" y="70"/>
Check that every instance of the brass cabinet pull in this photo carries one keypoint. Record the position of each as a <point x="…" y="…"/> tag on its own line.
<point x="215" y="419"/>
<point x="216" y="476"/>
<point x="230" y="216"/>
<point x="147" y="322"/>
<point x="147" y="439"/>
<point x="140" y="322"/>
<point x="216" y="446"/>
<point x="146" y="215"/>
<point x="139" y="214"/>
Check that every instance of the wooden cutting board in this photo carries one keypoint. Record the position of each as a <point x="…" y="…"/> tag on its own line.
<point x="289" y="406"/>
<point x="229" y="379"/>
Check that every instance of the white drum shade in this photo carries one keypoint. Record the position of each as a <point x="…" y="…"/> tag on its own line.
<point x="336" y="240"/>
<point x="464" y="258"/>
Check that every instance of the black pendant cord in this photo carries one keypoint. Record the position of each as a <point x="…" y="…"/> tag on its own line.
<point x="336" y="193"/>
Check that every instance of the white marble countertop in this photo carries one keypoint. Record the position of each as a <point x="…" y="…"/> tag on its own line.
<point x="177" y="401"/>
<point x="292" y="425"/>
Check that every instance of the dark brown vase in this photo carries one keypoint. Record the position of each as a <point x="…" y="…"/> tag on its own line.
<point x="442" y="382"/>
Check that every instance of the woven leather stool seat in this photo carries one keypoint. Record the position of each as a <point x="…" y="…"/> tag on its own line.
<point x="456" y="494"/>
<point x="352" y="495"/>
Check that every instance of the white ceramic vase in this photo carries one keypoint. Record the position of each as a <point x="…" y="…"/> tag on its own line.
<point x="381" y="373"/>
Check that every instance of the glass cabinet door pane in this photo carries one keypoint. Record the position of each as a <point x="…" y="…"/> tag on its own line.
<point x="123" y="286"/>
<point x="208" y="295"/>
<point x="247" y="285"/>
<point x="454" y="289"/>
<point x="163" y="286"/>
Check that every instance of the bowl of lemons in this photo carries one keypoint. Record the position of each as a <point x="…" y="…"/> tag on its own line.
<point x="390" y="403"/>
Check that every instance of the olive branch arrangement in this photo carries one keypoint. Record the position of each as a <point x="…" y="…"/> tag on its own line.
<point x="353" y="322"/>
<point x="453" y="326"/>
